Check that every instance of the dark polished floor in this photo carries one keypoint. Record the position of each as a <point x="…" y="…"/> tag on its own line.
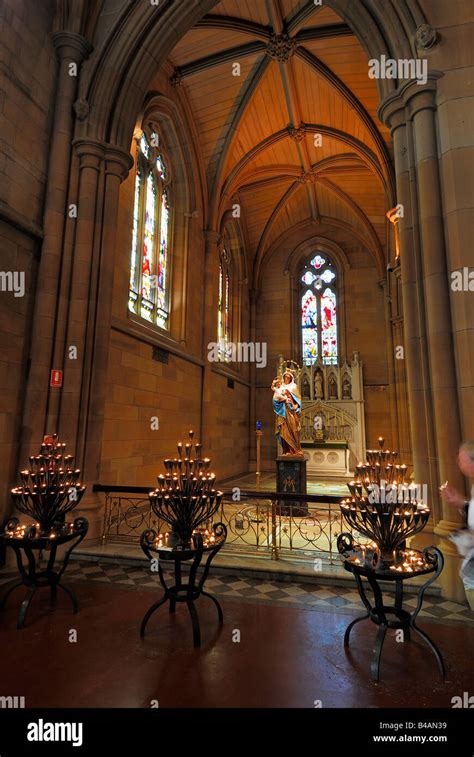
<point x="286" y="657"/>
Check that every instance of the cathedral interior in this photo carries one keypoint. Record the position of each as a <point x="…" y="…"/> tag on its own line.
<point x="204" y="202"/>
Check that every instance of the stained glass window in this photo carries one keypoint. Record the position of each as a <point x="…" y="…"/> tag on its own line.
<point x="149" y="265"/>
<point x="224" y="306"/>
<point x="319" y="311"/>
<point x="328" y="326"/>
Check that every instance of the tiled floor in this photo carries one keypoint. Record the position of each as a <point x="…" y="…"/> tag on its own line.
<point x="284" y="656"/>
<point x="336" y="488"/>
<point x="309" y="596"/>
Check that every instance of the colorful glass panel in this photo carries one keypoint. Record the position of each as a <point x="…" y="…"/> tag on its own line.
<point x="327" y="276"/>
<point x="328" y="327"/>
<point x="317" y="262"/>
<point x="144" y="147"/>
<point x="150" y="255"/>
<point x="309" y="331"/>
<point x="220" y="307"/>
<point x="319" y="337"/>
<point x="148" y="250"/>
<point x="308" y="278"/>
<point x="224" y="304"/>
<point x="161" y="167"/>
<point x="163" y="261"/>
<point x="133" y="288"/>
<point x="226" y="312"/>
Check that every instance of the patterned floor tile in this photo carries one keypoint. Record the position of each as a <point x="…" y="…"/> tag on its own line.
<point x="342" y="598"/>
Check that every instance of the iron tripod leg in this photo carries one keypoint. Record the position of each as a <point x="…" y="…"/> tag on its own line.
<point x="150" y="612"/>
<point x="351" y="626"/>
<point x="431" y="645"/>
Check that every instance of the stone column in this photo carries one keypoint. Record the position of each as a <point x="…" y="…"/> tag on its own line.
<point x="392" y="112"/>
<point x="211" y="293"/>
<point x="71" y="49"/>
<point x="83" y="285"/>
<point x="253" y="295"/>
<point x="102" y="167"/>
<point x="422" y="107"/>
<point x="395" y="431"/>
<point x="434" y="410"/>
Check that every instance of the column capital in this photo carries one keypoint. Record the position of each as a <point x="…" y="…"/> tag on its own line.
<point x="422" y="97"/>
<point x="391" y="111"/>
<point x="91" y="152"/>
<point x="118" y="162"/>
<point x="407" y="100"/>
<point x="212" y="238"/>
<point x="72" y="45"/>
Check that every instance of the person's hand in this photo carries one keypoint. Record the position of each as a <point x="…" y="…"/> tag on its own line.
<point x="451" y="495"/>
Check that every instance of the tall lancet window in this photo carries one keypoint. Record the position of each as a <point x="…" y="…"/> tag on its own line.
<point x="318" y="309"/>
<point x="150" y="255"/>
<point x="224" y="305"/>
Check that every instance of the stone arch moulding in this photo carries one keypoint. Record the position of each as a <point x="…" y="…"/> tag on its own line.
<point x="294" y="262"/>
<point x="312" y="228"/>
<point x="118" y="74"/>
<point x="231" y="231"/>
<point x="159" y="109"/>
<point x="229" y="223"/>
<point x="295" y="258"/>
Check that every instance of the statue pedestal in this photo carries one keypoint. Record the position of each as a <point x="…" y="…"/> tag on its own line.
<point x="291" y="478"/>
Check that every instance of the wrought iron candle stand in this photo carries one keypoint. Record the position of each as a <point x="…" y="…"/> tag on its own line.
<point x="50" y="489"/>
<point x="387" y="510"/>
<point x="185" y="499"/>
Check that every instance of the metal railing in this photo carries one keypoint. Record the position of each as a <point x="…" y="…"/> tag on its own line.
<point x="268" y="523"/>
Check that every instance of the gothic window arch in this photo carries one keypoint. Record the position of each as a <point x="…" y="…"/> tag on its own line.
<point x="318" y="307"/>
<point x="224" y="309"/>
<point x="151" y="235"/>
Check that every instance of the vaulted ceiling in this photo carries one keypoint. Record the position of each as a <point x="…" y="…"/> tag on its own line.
<point x="291" y="132"/>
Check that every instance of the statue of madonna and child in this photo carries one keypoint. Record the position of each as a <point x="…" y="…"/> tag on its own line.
<point x="287" y="408"/>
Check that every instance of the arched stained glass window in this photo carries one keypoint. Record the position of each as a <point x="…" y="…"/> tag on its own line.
<point x="149" y="266"/>
<point x="318" y="307"/>
<point x="224" y="305"/>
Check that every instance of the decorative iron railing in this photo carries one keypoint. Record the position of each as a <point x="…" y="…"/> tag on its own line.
<point x="307" y="526"/>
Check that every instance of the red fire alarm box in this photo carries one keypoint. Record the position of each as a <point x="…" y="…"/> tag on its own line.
<point x="56" y="378"/>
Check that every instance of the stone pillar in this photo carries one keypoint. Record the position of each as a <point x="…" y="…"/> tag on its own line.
<point x="211" y="293"/>
<point x="102" y="167"/>
<point x="422" y="108"/>
<point x="253" y="294"/>
<point x="434" y="410"/>
<point x="392" y="395"/>
<point x="392" y="112"/>
<point x="71" y="49"/>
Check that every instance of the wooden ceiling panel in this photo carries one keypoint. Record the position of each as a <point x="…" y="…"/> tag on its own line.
<point x="230" y="124"/>
<point x="212" y="95"/>
<point x="367" y="196"/>
<point x="328" y="147"/>
<point x="253" y="10"/>
<point x="345" y="57"/>
<point x="290" y="7"/>
<point x="320" y="103"/>
<point x="323" y="17"/>
<point x="258" y="205"/>
<point x="332" y="206"/>
<point x="199" y="43"/>
<point x="296" y="210"/>
<point x="266" y="113"/>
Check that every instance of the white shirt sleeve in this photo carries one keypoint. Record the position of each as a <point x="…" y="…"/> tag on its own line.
<point x="470" y="512"/>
